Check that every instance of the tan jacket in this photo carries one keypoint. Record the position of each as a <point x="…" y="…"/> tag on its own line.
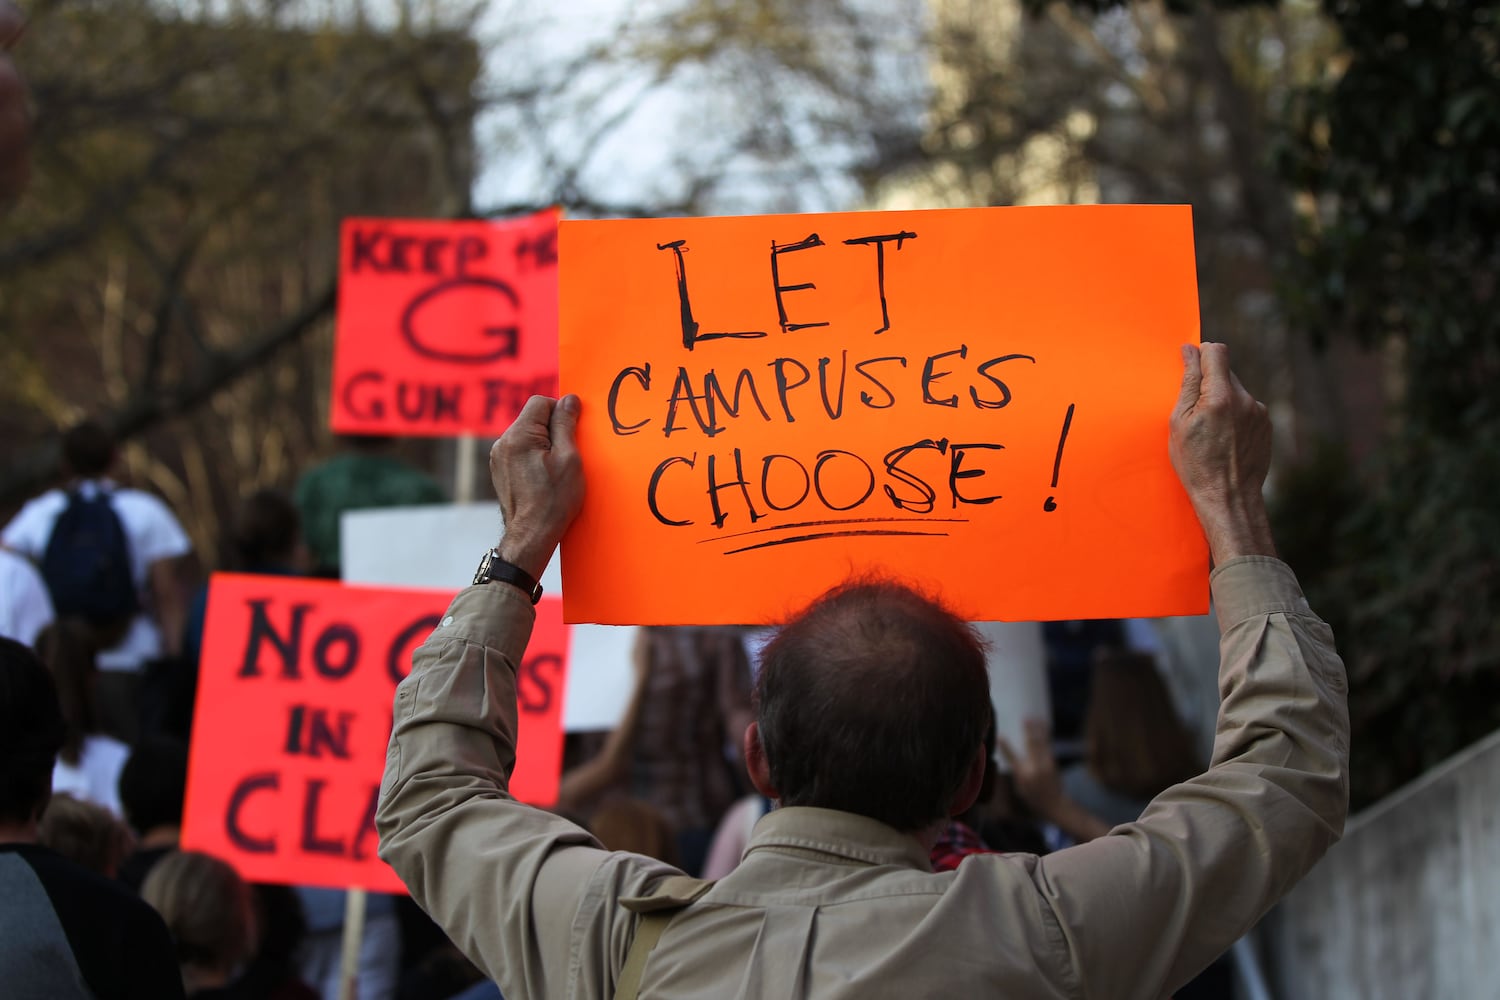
<point x="830" y="904"/>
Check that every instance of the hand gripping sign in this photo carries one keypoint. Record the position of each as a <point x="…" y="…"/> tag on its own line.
<point x="976" y="400"/>
<point x="294" y="715"/>
<point x="444" y="328"/>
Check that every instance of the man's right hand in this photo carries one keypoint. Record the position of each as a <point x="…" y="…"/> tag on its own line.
<point x="538" y="479"/>
<point x="1221" y="448"/>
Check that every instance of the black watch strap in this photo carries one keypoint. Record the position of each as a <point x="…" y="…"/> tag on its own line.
<point x="494" y="569"/>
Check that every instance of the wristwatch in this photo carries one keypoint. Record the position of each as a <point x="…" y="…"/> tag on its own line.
<point x="493" y="568"/>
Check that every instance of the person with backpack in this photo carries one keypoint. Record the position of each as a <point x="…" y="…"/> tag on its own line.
<point x="113" y="557"/>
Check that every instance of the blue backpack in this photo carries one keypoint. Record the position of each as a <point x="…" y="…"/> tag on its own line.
<point x="87" y="563"/>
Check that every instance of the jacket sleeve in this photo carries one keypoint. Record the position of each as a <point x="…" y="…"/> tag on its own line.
<point x="1147" y="907"/>
<point x="503" y="879"/>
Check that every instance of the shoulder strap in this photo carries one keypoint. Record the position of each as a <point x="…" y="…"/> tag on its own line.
<point x="656" y="910"/>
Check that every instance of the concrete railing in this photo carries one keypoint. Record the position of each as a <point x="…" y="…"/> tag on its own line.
<point x="1407" y="905"/>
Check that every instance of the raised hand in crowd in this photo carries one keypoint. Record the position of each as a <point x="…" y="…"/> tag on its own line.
<point x="1040" y="784"/>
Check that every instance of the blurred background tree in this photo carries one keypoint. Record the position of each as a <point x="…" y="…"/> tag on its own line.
<point x="949" y="103"/>
<point x="1399" y="158"/>
<point x="171" y="268"/>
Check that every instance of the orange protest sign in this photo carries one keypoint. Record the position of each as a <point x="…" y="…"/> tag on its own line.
<point x="294" y="715"/>
<point x="974" y="400"/>
<point x="444" y="328"/>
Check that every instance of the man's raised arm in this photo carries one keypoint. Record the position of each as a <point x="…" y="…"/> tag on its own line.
<point x="504" y="880"/>
<point x="1149" y="905"/>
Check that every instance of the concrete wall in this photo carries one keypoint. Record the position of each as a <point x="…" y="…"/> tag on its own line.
<point x="1407" y="905"/>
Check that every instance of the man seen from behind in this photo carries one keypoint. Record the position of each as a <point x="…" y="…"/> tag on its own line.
<point x="871" y="712"/>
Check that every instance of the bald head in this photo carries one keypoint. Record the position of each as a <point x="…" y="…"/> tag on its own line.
<point x="874" y="701"/>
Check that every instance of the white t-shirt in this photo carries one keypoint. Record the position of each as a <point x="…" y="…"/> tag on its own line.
<point x="153" y="534"/>
<point x="96" y="776"/>
<point x="25" y="605"/>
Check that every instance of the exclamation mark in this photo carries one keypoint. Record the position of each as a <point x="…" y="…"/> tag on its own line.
<point x="1062" y="439"/>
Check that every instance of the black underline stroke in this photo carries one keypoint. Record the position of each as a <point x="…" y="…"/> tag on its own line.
<point x="846" y="520"/>
<point x="831" y="534"/>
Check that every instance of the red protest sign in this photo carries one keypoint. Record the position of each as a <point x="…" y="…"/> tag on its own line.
<point x="444" y="328"/>
<point x="294" y="715"/>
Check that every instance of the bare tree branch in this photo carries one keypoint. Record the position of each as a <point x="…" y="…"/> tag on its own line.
<point x="33" y="467"/>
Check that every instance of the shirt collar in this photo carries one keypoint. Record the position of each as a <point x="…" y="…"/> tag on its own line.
<point x="840" y="835"/>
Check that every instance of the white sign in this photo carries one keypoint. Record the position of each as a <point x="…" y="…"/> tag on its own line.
<point x="1018" y="679"/>
<point x="440" y="546"/>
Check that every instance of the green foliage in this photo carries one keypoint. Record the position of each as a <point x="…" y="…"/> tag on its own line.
<point x="175" y="253"/>
<point x="1402" y="157"/>
<point x="1403" y="563"/>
